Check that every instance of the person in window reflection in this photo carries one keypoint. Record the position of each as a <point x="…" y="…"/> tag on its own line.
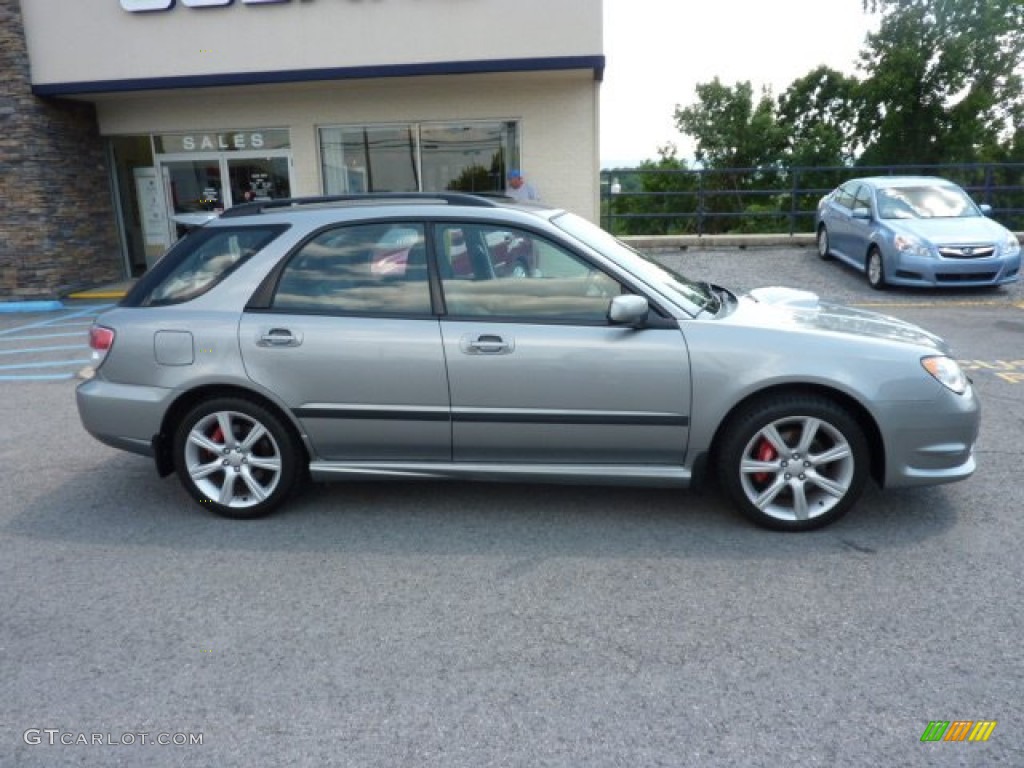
<point x="519" y="188"/>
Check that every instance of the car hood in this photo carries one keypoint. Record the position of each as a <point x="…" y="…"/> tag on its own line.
<point x="779" y="307"/>
<point x="951" y="231"/>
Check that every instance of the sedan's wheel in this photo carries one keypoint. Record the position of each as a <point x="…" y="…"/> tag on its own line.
<point x="235" y="457"/>
<point x="875" y="269"/>
<point x="794" y="463"/>
<point x="824" y="249"/>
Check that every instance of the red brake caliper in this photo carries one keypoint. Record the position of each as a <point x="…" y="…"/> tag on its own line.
<point x="218" y="435"/>
<point x="765" y="452"/>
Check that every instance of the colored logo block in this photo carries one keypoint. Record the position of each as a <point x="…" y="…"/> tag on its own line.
<point x="959" y="730"/>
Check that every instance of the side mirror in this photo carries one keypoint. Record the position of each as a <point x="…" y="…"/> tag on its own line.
<point x="629" y="309"/>
<point x="986" y="209"/>
<point x="861" y="213"/>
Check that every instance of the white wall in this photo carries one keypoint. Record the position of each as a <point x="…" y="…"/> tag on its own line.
<point x="558" y="112"/>
<point x="73" y="41"/>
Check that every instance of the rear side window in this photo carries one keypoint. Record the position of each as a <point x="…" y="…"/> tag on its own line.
<point x="198" y="262"/>
<point x="364" y="269"/>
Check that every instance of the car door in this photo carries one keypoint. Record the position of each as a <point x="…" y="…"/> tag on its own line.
<point x="838" y="219"/>
<point x="537" y="372"/>
<point x="349" y="342"/>
<point x="861" y="227"/>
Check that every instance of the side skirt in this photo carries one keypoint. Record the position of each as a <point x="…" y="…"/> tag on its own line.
<point x="570" y="474"/>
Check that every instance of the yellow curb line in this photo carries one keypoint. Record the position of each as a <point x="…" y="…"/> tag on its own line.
<point x="98" y="295"/>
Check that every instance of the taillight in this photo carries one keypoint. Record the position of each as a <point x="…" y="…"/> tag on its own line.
<point x="101" y="339"/>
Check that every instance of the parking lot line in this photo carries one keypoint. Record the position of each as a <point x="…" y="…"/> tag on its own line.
<point x="38" y="377"/>
<point x="30" y="350"/>
<point x="53" y="364"/>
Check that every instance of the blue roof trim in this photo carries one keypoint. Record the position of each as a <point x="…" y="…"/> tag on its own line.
<point x="482" y="66"/>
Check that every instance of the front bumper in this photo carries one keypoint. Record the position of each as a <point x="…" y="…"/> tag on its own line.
<point x="934" y="271"/>
<point x="931" y="443"/>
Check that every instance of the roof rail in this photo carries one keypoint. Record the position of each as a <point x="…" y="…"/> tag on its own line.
<point x="478" y="200"/>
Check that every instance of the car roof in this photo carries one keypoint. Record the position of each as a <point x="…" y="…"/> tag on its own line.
<point x="326" y="209"/>
<point x="882" y="182"/>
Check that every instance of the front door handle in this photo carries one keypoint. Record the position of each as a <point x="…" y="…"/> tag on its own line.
<point x="486" y="344"/>
<point x="278" y="337"/>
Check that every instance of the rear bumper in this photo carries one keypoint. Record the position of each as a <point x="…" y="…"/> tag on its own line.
<point x="122" y="416"/>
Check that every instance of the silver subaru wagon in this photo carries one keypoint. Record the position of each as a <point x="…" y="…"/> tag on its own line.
<point x="457" y="336"/>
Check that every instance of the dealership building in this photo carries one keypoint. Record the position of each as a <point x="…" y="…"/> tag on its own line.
<point x="116" y="115"/>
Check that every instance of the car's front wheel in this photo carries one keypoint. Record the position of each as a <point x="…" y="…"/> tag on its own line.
<point x="875" y="269"/>
<point x="793" y="462"/>
<point x="824" y="249"/>
<point x="235" y="457"/>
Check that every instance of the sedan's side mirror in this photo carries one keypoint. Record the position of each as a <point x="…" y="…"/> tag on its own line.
<point x="861" y="213"/>
<point x="629" y="309"/>
<point x="986" y="209"/>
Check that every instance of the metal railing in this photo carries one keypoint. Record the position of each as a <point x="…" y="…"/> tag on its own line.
<point x="775" y="200"/>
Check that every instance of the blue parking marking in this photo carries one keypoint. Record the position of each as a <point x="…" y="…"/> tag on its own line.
<point x="38" y="336"/>
<point x="49" y="364"/>
<point x="90" y="311"/>
<point x="39" y="377"/>
<point x="25" y="358"/>
<point x="39" y="349"/>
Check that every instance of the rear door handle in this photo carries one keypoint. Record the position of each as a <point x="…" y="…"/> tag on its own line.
<point x="486" y="344"/>
<point x="278" y="337"/>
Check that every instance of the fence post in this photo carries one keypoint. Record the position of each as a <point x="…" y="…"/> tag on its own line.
<point x="700" y="202"/>
<point x="792" y="201"/>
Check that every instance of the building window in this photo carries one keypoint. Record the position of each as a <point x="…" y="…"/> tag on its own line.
<point x="419" y="157"/>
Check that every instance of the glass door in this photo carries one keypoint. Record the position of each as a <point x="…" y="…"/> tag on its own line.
<point x="258" y="178"/>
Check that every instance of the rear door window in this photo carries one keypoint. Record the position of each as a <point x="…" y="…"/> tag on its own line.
<point x="371" y="269"/>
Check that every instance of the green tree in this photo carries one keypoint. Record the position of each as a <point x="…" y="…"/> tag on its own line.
<point x="818" y="115"/>
<point x="732" y="132"/>
<point x="729" y="129"/>
<point x="657" y="198"/>
<point x="942" y="79"/>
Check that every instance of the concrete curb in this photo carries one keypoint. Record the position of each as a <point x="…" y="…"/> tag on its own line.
<point x="662" y="242"/>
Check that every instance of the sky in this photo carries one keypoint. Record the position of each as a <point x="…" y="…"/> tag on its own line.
<point x="657" y="51"/>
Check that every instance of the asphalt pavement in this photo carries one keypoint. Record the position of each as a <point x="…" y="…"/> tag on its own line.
<point x="456" y="624"/>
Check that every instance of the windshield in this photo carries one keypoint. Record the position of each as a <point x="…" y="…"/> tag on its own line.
<point x="925" y="201"/>
<point x="671" y="282"/>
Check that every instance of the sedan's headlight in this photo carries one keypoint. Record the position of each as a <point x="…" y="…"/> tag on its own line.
<point x="911" y="245"/>
<point x="947" y="372"/>
<point x="1011" y="246"/>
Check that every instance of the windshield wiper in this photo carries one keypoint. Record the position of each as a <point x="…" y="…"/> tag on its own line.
<point x="714" y="300"/>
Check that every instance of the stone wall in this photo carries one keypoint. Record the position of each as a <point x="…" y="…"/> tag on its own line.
<point x="57" y="223"/>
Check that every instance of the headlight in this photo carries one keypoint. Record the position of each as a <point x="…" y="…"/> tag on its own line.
<point x="911" y="245"/>
<point x="947" y="372"/>
<point x="1011" y="246"/>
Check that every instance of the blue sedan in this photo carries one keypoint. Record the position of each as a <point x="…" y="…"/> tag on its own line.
<point x="915" y="231"/>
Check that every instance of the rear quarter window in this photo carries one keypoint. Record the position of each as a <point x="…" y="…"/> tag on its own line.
<point x="198" y="262"/>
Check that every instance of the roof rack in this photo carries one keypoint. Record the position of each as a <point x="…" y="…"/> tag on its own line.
<point x="479" y="200"/>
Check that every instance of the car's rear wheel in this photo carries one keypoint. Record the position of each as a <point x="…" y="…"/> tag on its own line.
<point x="824" y="249"/>
<point x="793" y="462"/>
<point x="235" y="457"/>
<point x="875" y="269"/>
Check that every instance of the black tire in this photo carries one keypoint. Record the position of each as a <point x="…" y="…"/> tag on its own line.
<point x="245" y="476"/>
<point x="793" y="462"/>
<point x="824" y="249"/>
<point x="874" y="269"/>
